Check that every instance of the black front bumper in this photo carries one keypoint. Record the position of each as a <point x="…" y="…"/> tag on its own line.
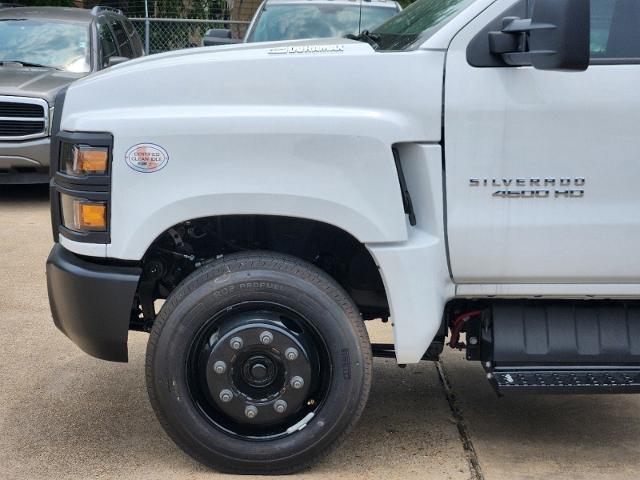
<point x="91" y="303"/>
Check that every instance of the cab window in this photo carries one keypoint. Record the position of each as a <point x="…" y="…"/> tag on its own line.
<point x="108" y="47"/>
<point x="615" y="29"/>
<point x="122" y="38"/>
<point x="134" y="38"/>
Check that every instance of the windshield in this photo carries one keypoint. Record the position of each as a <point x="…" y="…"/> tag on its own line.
<point x="60" y="45"/>
<point x="417" y="21"/>
<point x="297" y="21"/>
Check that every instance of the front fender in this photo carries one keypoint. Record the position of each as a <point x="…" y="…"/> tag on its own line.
<point x="305" y="135"/>
<point x="343" y="179"/>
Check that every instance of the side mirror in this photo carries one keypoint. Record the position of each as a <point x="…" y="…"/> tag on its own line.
<point x="219" y="36"/>
<point x="116" y="61"/>
<point x="556" y="37"/>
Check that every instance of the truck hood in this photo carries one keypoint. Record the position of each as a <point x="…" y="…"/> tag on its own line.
<point x="234" y="49"/>
<point x="258" y="81"/>
<point x="34" y="82"/>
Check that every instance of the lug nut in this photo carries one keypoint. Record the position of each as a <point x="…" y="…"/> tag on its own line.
<point x="291" y="353"/>
<point x="280" y="406"/>
<point x="251" y="411"/>
<point x="226" y="395"/>
<point x="297" y="382"/>
<point x="219" y="367"/>
<point x="266" y="338"/>
<point x="236" y="343"/>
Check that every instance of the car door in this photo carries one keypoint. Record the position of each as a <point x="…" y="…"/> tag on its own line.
<point x="543" y="167"/>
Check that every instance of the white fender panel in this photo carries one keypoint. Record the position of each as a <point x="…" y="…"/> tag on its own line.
<point x="89" y="249"/>
<point x="247" y="131"/>
<point x="347" y="181"/>
<point x="417" y="306"/>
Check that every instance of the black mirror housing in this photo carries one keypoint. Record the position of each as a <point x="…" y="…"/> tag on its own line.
<point x="556" y="37"/>
<point x="565" y="47"/>
<point x="218" y="32"/>
<point x="115" y="60"/>
<point x="219" y="36"/>
<point x="214" y="41"/>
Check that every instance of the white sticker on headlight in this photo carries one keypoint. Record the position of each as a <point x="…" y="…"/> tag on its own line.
<point x="146" y="157"/>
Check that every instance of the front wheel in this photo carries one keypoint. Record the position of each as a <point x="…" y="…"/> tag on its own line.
<point x="258" y="363"/>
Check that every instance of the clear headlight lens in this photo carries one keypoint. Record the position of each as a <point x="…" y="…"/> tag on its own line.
<point x="83" y="160"/>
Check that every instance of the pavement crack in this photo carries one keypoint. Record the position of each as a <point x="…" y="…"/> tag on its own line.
<point x="463" y="431"/>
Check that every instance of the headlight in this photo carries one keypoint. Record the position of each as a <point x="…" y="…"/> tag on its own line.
<point x="84" y="160"/>
<point x="82" y="215"/>
<point x="81" y="184"/>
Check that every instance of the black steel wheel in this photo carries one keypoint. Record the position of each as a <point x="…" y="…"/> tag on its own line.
<point x="258" y="369"/>
<point x="258" y="363"/>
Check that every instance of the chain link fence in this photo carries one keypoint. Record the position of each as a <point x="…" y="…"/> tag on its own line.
<point x="164" y="34"/>
<point x="166" y="25"/>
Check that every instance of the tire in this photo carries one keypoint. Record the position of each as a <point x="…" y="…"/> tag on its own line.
<point x="243" y="296"/>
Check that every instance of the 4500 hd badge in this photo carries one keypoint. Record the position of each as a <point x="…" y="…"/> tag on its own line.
<point x="534" y="187"/>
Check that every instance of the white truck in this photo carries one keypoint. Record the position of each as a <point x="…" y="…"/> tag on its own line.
<point x="469" y="170"/>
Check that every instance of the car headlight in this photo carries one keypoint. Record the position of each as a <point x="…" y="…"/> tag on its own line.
<point x="81" y="184"/>
<point x="82" y="215"/>
<point x="84" y="160"/>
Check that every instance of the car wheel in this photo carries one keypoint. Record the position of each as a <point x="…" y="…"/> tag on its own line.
<point x="258" y="363"/>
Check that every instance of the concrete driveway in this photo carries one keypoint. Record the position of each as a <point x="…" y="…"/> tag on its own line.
<point x="65" y="415"/>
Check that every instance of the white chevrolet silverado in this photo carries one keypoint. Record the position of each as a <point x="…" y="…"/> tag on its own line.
<point x="469" y="170"/>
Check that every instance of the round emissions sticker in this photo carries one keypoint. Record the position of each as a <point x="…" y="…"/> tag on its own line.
<point x="146" y="157"/>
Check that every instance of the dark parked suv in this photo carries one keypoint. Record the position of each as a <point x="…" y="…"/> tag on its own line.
<point x="42" y="50"/>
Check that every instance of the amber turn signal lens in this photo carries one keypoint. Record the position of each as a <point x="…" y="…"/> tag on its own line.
<point x="91" y="216"/>
<point x="90" y="160"/>
<point x="81" y="215"/>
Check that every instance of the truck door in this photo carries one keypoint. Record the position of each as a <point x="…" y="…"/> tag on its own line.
<point x="543" y="167"/>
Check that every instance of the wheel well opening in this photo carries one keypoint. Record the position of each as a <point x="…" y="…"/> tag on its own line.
<point x="187" y="246"/>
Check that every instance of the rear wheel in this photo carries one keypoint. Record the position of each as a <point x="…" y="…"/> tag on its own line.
<point x="258" y="363"/>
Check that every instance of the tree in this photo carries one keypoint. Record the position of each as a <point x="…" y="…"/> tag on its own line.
<point x="52" y="3"/>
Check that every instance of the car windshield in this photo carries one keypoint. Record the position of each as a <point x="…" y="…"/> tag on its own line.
<point x="61" y="45"/>
<point x="419" y="20"/>
<point x="296" y="21"/>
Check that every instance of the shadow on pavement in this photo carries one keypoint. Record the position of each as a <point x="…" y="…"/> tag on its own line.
<point x="39" y="192"/>
<point x="564" y="437"/>
<point x="88" y="417"/>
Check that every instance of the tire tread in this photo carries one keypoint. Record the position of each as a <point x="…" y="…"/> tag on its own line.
<point x="286" y="264"/>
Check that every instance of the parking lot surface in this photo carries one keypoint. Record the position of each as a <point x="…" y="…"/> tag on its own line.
<point x="65" y="415"/>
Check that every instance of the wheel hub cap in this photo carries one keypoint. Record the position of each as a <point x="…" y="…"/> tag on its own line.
<point x="259" y="371"/>
<point x="261" y="375"/>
